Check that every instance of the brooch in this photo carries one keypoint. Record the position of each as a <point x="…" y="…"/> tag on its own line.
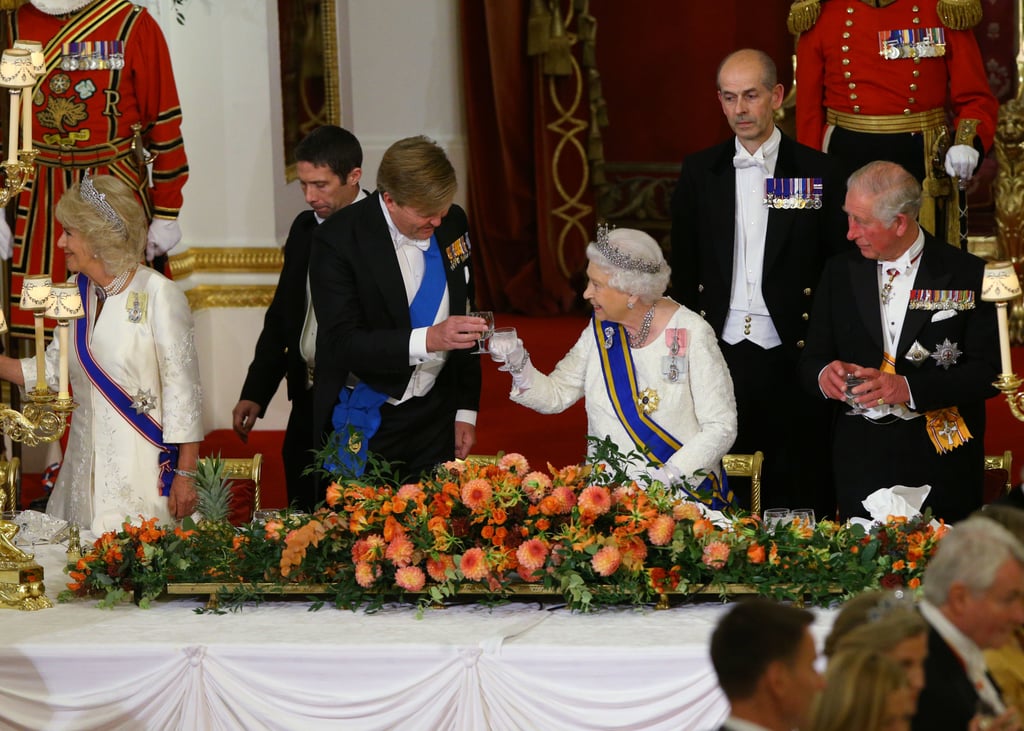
<point x="917" y="353"/>
<point x="648" y="401"/>
<point x="946" y="354"/>
<point x="143" y="402"/>
<point x="609" y="337"/>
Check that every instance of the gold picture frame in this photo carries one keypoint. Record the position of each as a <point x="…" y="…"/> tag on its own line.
<point x="309" y="71"/>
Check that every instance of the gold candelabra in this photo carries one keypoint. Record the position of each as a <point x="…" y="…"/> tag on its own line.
<point x="1001" y="287"/>
<point x="45" y="415"/>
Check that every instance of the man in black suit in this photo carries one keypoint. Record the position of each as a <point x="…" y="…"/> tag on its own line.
<point x="764" y="655"/>
<point x="753" y="220"/>
<point x="973" y="601"/>
<point x="391" y="283"/>
<point x="329" y="166"/>
<point x="904" y="317"/>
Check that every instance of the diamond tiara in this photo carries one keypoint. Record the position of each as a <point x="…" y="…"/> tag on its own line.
<point x="618" y="258"/>
<point x="99" y="201"/>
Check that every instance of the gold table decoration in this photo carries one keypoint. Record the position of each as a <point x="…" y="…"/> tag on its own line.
<point x="21" y="578"/>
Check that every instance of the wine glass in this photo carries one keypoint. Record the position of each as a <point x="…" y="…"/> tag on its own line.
<point x="489" y="318"/>
<point x="503" y="341"/>
<point x="805" y="516"/>
<point x="774" y="517"/>
<point x="855" y="408"/>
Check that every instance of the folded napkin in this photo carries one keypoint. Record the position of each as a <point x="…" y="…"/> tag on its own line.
<point x="899" y="500"/>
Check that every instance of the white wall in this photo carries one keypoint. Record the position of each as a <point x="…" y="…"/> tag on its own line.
<point x="399" y="76"/>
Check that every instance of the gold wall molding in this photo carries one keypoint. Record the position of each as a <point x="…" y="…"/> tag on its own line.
<point x="228" y="259"/>
<point x="214" y="296"/>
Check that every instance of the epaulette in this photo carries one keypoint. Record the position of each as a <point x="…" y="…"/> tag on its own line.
<point x="954" y="14"/>
<point x="959" y="14"/>
<point x="803" y="14"/>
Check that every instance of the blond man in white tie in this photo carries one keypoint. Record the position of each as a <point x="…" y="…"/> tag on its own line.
<point x="753" y="220"/>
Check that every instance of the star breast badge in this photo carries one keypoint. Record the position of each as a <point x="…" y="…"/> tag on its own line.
<point x="946" y="354"/>
<point x="143" y="402"/>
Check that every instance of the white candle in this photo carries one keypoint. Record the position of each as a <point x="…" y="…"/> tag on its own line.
<point x="12" y="132"/>
<point x="62" y="331"/>
<point x="40" y="352"/>
<point x="1004" y="338"/>
<point x="26" y="119"/>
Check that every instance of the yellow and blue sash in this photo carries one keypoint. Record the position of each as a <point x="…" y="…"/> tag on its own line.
<point x="120" y="399"/>
<point x="650" y="438"/>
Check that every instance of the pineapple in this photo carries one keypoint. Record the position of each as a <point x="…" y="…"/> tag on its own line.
<point x="213" y="489"/>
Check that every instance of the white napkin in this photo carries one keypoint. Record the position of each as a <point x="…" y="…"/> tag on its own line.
<point x="898" y="500"/>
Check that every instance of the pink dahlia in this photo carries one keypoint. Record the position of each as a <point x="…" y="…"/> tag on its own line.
<point x="594" y="501"/>
<point x="474" y="565"/>
<point x="716" y="554"/>
<point x="514" y="462"/>
<point x="410" y="578"/>
<point x="437" y="568"/>
<point x="400" y="550"/>
<point x="687" y="510"/>
<point x="532" y="554"/>
<point x="536" y="486"/>
<point x="661" y="529"/>
<point x="476" y="493"/>
<point x="366" y="574"/>
<point x="606" y="561"/>
<point x="410" y="492"/>
<point x="564" y="498"/>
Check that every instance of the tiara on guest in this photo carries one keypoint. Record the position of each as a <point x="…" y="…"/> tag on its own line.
<point x="620" y="259"/>
<point x="99" y="201"/>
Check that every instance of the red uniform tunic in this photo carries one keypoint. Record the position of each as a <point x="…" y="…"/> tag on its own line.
<point x="82" y="119"/>
<point x="839" y="67"/>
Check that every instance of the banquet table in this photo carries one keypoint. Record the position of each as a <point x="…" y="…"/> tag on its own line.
<point x="278" y="665"/>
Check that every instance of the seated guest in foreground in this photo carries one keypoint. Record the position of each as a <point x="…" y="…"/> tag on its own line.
<point x="904" y="316"/>
<point x="973" y="601"/>
<point x="133" y="370"/>
<point x="864" y="691"/>
<point x="1006" y="663"/>
<point x="764" y="654"/>
<point x="885" y="622"/>
<point x="653" y="377"/>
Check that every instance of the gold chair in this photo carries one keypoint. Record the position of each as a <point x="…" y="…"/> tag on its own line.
<point x="10" y="475"/>
<point x="1003" y="462"/>
<point x="747" y="465"/>
<point x="250" y="469"/>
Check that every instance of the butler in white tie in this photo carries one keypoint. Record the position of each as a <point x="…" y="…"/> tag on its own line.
<point x="753" y="220"/>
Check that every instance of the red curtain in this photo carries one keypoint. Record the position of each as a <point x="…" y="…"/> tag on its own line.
<point x="526" y="255"/>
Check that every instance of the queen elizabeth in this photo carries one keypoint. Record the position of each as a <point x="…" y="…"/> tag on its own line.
<point x="653" y="377"/>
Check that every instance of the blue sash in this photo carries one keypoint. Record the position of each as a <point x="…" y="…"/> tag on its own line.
<point x="650" y="438"/>
<point x="143" y="423"/>
<point x="356" y="416"/>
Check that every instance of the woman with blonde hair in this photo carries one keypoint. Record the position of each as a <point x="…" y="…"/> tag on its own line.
<point x="864" y="691"/>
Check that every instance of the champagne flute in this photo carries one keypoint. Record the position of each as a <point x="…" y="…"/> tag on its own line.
<point x="489" y="318"/>
<point x="503" y="341"/>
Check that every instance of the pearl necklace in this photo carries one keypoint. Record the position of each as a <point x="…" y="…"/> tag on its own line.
<point x="116" y="285"/>
<point x="645" y="329"/>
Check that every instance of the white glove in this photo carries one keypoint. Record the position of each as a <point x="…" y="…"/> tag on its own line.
<point x="6" y="238"/>
<point x="961" y="160"/>
<point x="164" y="234"/>
<point x="667" y="475"/>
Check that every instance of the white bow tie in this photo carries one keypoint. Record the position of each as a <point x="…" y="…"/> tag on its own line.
<point x="404" y="240"/>
<point x="742" y="160"/>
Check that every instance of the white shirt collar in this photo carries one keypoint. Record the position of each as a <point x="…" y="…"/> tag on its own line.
<point x="359" y="196"/>
<point x="909" y="257"/>
<point x="738" y="724"/>
<point x="969" y="653"/>
<point x="768" y="151"/>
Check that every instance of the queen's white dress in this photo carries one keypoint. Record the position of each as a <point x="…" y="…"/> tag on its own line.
<point x="145" y="341"/>
<point x="699" y="408"/>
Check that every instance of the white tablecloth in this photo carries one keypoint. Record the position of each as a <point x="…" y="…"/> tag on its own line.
<point x="280" y="666"/>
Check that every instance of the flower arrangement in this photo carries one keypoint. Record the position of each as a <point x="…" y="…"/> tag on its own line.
<point x="586" y="533"/>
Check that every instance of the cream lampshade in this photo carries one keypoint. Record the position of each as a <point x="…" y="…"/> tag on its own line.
<point x="35" y="52"/>
<point x="35" y="291"/>
<point x="65" y="303"/>
<point x="16" y="69"/>
<point x="1000" y="283"/>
